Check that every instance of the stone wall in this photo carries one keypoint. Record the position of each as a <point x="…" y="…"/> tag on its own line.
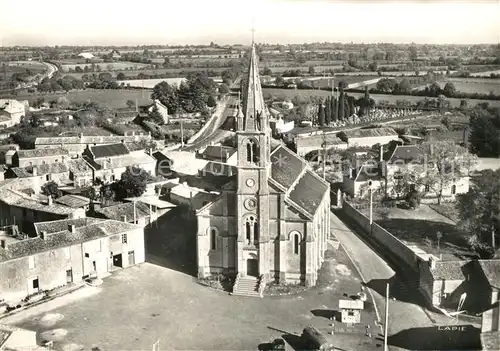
<point x="383" y="237"/>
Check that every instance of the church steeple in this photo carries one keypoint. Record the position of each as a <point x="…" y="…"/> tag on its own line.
<point x="255" y="116"/>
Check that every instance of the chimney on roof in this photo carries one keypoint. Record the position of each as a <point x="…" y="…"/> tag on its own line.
<point x="124" y="218"/>
<point x="50" y="201"/>
<point x="34" y="171"/>
<point x="71" y="228"/>
<point x="381" y="153"/>
<point x="43" y="234"/>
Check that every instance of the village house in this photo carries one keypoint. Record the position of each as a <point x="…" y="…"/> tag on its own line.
<point x="162" y="109"/>
<point x="25" y="158"/>
<point x="75" y="172"/>
<point x="65" y="252"/>
<point x="382" y="175"/>
<point x="350" y="311"/>
<point x="306" y="144"/>
<point x="6" y="152"/>
<point x="108" y="162"/>
<point x="129" y="212"/>
<point x="157" y="206"/>
<point x="12" y="111"/>
<point x="74" y="201"/>
<point x="17" y="207"/>
<point x="369" y="137"/>
<point x="76" y="145"/>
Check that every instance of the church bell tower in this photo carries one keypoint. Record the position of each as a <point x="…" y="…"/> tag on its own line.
<point x="254" y="166"/>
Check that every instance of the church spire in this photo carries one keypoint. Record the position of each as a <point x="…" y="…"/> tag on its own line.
<point x="254" y="111"/>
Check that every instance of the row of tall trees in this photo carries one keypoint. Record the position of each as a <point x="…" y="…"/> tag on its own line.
<point x="333" y="109"/>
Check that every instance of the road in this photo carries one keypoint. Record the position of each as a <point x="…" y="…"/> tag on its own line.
<point x="49" y="73"/>
<point x="211" y="131"/>
<point x="404" y="313"/>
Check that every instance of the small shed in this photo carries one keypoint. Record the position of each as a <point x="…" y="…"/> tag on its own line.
<point x="316" y="340"/>
<point x="351" y="311"/>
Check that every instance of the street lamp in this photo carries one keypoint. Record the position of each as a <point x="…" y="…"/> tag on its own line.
<point x="371" y="201"/>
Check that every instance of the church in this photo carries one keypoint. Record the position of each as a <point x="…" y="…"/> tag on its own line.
<point x="272" y="219"/>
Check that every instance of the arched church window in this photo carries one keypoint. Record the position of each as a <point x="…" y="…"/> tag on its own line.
<point x="255" y="153"/>
<point x="248" y="232"/>
<point x="213" y="239"/>
<point x="249" y="151"/>
<point x="296" y="242"/>
<point x="255" y="233"/>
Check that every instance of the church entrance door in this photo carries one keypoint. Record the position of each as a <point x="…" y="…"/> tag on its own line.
<point x="253" y="267"/>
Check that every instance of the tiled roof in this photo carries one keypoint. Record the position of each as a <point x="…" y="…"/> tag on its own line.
<point x="18" y="199"/>
<point x="317" y="140"/>
<point x="369" y="133"/>
<point x="135" y="146"/>
<point x="101" y="151"/>
<point x="448" y="270"/>
<point x="74" y="201"/>
<point x="366" y="173"/>
<point x="122" y="161"/>
<point x="41" y="152"/>
<point x="62" y="225"/>
<point x="309" y="192"/>
<point x="286" y="166"/>
<point x="405" y="153"/>
<point x="213" y="152"/>
<point x="90" y="140"/>
<point x="63" y="238"/>
<point x="76" y="166"/>
<point x="117" y="212"/>
<point x="491" y="269"/>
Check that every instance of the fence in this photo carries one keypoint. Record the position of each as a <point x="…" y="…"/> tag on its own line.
<point x="383" y="237"/>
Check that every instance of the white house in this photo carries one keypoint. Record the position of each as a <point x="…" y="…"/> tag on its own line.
<point x="86" y="55"/>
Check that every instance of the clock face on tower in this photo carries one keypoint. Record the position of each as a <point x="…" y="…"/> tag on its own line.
<point x="250" y="182"/>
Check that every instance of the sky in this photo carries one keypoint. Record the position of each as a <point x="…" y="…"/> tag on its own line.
<point x="182" y="22"/>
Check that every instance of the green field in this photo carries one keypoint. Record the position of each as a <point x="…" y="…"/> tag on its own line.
<point x="291" y="93"/>
<point x="172" y="71"/>
<point x="10" y="69"/>
<point x="475" y="85"/>
<point x="107" y="66"/>
<point x="109" y="98"/>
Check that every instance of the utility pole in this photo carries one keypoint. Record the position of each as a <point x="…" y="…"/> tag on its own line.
<point x="371" y="207"/>
<point x="386" y="317"/>
<point x="324" y="155"/>
<point x="182" y="134"/>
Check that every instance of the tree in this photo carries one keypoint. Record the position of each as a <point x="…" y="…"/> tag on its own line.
<point x="321" y="115"/>
<point x="413" y="199"/>
<point x="132" y="183"/>
<point x="439" y="235"/>
<point x="447" y="162"/>
<point x="120" y="76"/>
<point x="464" y="103"/>
<point x="267" y="71"/>
<point x="373" y="66"/>
<point x="334" y="109"/>
<point x="479" y="213"/>
<point x="167" y="95"/>
<point x="279" y="81"/>
<point x="311" y="70"/>
<point x="155" y="116"/>
<point x="442" y="102"/>
<point x="404" y="86"/>
<point x="328" y="111"/>
<point x="449" y="89"/>
<point x="223" y="89"/>
<point x="211" y="101"/>
<point x="386" y="85"/>
<point x="130" y="103"/>
<point x="51" y="189"/>
<point x="413" y="52"/>
<point x="341" y="107"/>
<point x="484" y="134"/>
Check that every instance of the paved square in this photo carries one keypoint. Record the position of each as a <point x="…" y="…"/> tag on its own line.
<point x="137" y="306"/>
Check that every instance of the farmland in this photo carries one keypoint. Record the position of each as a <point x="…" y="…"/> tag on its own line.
<point x="169" y="71"/>
<point x="291" y="93"/>
<point x="475" y="85"/>
<point x="108" y="98"/>
<point x="110" y="66"/>
<point x="21" y="67"/>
